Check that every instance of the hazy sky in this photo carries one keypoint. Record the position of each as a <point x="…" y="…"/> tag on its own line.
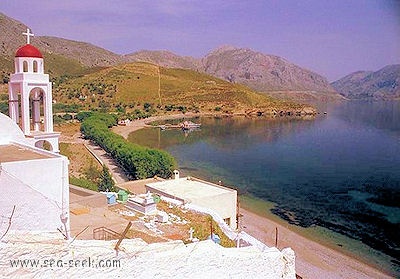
<point x="332" y="38"/>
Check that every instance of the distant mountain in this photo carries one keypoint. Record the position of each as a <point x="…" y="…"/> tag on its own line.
<point x="82" y="53"/>
<point x="87" y="54"/>
<point x="382" y="84"/>
<point x="261" y="72"/>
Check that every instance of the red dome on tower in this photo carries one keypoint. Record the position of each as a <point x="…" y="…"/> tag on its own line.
<point x="28" y="51"/>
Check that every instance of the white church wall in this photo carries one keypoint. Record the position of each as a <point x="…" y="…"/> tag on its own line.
<point x="10" y="131"/>
<point x="43" y="175"/>
<point x="33" y="211"/>
<point x="47" y="177"/>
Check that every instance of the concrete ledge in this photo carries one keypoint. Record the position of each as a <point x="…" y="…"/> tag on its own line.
<point x="86" y="197"/>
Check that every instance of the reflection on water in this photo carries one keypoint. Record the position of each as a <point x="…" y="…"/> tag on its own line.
<point x="340" y="171"/>
<point x="383" y="115"/>
<point x="225" y="133"/>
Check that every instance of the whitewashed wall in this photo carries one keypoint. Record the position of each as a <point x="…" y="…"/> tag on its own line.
<point x="40" y="186"/>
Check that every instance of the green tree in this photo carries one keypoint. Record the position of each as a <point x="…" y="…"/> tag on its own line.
<point x="83" y="115"/>
<point x="147" y="106"/>
<point x="67" y="116"/>
<point x="106" y="182"/>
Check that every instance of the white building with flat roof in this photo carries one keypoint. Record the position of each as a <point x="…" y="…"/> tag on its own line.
<point x="33" y="183"/>
<point x="201" y="193"/>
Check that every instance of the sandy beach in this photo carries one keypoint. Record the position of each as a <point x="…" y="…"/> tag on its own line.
<point x="313" y="260"/>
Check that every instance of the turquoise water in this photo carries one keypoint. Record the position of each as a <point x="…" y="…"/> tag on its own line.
<point x="339" y="171"/>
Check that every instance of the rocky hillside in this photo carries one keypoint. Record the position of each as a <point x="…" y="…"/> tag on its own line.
<point x="127" y="87"/>
<point x="261" y="72"/>
<point x="164" y="58"/>
<point x="86" y="54"/>
<point x="382" y="84"/>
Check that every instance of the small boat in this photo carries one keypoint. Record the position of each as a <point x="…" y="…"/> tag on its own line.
<point x="189" y="125"/>
<point x="124" y="122"/>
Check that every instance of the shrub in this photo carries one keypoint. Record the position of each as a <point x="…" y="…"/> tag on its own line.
<point x="60" y="107"/>
<point x="67" y="116"/>
<point x="106" y="182"/>
<point x="137" y="161"/>
<point x="83" y="182"/>
<point x="4" y="107"/>
<point x="57" y="119"/>
<point x="83" y="115"/>
<point x="183" y="109"/>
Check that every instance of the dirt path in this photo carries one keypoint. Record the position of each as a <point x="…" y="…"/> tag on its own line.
<point x="117" y="173"/>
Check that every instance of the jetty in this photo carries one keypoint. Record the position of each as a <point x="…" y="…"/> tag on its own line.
<point x="185" y="125"/>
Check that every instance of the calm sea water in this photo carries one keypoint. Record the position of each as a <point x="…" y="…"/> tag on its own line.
<point x="340" y="171"/>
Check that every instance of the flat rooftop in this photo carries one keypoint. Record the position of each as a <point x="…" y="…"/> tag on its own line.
<point x="14" y="153"/>
<point x="190" y="188"/>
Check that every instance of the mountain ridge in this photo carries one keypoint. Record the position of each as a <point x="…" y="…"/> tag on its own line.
<point x="262" y="72"/>
<point x="282" y="75"/>
<point x="383" y="84"/>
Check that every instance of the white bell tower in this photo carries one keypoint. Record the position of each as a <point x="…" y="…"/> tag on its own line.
<point x="30" y="97"/>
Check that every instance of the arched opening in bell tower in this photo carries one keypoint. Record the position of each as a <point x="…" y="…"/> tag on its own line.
<point x="44" y="144"/>
<point x="35" y="66"/>
<point x="37" y="99"/>
<point x="25" y="66"/>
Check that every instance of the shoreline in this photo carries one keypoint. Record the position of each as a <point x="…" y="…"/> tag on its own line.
<point x="142" y="123"/>
<point x="132" y="126"/>
<point x="313" y="259"/>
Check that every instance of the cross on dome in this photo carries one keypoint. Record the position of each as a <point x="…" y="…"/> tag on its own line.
<point x="28" y="35"/>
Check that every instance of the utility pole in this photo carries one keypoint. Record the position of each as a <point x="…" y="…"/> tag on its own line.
<point x="159" y="84"/>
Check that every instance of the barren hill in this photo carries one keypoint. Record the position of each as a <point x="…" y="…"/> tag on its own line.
<point x="261" y="72"/>
<point x="85" y="54"/>
<point x="164" y="58"/>
<point x="382" y="84"/>
<point x="131" y="85"/>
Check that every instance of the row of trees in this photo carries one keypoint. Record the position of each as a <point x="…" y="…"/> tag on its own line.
<point x="138" y="162"/>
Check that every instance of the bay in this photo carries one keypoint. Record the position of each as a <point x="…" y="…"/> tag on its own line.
<point x="339" y="171"/>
